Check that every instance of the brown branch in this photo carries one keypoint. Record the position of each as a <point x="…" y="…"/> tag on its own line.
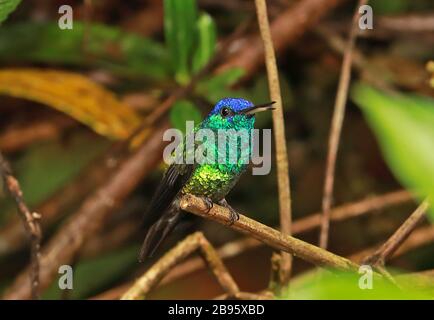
<point x="31" y="225"/>
<point x="16" y="137"/>
<point x="232" y="249"/>
<point x="285" y="30"/>
<point x="190" y="244"/>
<point x="418" y="238"/>
<point x="90" y="217"/>
<point x="268" y="235"/>
<point x="406" y="23"/>
<point x="336" y="128"/>
<point x="354" y="209"/>
<point x="283" y="183"/>
<point x="379" y="257"/>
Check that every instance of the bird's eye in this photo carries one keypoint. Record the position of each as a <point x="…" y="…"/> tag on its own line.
<point x="225" y="112"/>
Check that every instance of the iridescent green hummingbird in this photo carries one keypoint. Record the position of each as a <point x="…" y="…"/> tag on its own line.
<point x="210" y="181"/>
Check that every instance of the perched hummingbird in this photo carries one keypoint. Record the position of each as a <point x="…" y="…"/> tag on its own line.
<point x="212" y="182"/>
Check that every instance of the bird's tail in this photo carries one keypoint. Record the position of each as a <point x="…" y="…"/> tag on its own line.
<point x="159" y="231"/>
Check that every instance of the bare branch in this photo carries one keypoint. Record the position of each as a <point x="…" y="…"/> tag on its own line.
<point x="283" y="182"/>
<point x="190" y="244"/>
<point x="418" y="238"/>
<point x="379" y="257"/>
<point x="336" y="128"/>
<point x="30" y="221"/>
<point x="268" y="235"/>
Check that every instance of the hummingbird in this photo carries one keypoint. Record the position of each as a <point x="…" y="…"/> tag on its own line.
<point x="210" y="181"/>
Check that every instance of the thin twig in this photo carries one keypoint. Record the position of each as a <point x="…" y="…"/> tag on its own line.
<point x="418" y="238"/>
<point x="283" y="182"/>
<point x="30" y="221"/>
<point x="336" y="128"/>
<point x="379" y="257"/>
<point x="268" y="235"/>
<point x="190" y="244"/>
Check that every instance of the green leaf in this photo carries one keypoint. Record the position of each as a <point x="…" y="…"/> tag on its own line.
<point x="384" y="7"/>
<point x="6" y="7"/>
<point x="45" y="167"/>
<point x="404" y="127"/>
<point x="107" y="47"/>
<point x="348" y="286"/>
<point x="180" y="29"/>
<point x="207" y="39"/>
<point x="97" y="274"/>
<point x="183" y="111"/>
<point x="217" y="86"/>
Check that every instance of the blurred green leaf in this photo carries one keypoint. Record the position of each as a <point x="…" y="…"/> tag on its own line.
<point x="217" y="86"/>
<point x="45" y="167"/>
<point x="404" y="126"/>
<point x="207" y="39"/>
<point x="183" y="111"/>
<point x="345" y="286"/>
<point x="108" y="47"/>
<point x="389" y="6"/>
<point x="96" y="274"/>
<point x="260" y="92"/>
<point x="180" y="28"/>
<point x="6" y="7"/>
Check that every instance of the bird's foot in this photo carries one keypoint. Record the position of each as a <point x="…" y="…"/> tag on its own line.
<point x="208" y="202"/>
<point x="234" y="215"/>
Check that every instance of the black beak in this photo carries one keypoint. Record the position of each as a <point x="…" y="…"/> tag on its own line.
<point x="259" y="108"/>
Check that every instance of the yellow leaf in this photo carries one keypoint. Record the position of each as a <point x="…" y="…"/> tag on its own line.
<point x="430" y="68"/>
<point x="74" y="95"/>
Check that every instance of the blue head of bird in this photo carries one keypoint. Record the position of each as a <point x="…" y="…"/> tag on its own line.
<point x="234" y="113"/>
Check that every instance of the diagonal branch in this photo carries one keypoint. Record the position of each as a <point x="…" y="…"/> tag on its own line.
<point x="30" y="221"/>
<point x="379" y="257"/>
<point x="268" y="235"/>
<point x="336" y="128"/>
<point x="190" y="244"/>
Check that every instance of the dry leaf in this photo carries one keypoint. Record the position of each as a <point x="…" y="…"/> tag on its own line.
<point x="74" y="95"/>
<point x="430" y="68"/>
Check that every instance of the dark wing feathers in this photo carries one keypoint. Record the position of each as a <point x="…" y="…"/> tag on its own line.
<point x="174" y="179"/>
<point x="160" y="230"/>
<point x="164" y="212"/>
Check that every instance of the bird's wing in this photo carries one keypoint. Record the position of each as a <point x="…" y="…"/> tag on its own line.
<point x="174" y="179"/>
<point x="160" y="230"/>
